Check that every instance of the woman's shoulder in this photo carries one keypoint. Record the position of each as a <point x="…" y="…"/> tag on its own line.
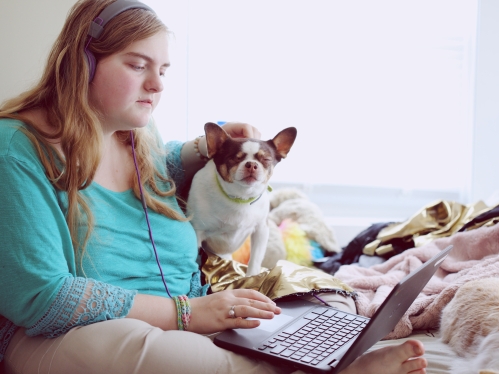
<point x="14" y="140"/>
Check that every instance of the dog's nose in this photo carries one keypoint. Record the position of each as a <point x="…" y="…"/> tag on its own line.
<point x="251" y="165"/>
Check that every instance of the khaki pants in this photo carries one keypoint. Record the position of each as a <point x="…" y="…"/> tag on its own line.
<point x="132" y="346"/>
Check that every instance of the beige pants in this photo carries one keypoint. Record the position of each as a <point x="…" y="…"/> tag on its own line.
<point x="132" y="346"/>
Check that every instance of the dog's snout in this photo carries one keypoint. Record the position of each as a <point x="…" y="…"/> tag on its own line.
<point x="251" y="165"/>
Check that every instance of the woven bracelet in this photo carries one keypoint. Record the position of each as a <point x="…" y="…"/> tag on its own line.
<point x="183" y="311"/>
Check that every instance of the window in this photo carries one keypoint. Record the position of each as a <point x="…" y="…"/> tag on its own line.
<point x="381" y="92"/>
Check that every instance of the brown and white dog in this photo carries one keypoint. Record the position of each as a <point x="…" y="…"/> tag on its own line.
<point x="228" y="199"/>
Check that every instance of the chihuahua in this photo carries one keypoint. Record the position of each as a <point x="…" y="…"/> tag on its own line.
<point x="228" y="199"/>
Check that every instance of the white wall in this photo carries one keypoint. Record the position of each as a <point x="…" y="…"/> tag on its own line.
<point x="27" y="30"/>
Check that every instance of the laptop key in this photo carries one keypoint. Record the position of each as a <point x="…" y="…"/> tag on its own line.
<point x="307" y="359"/>
<point x="320" y="310"/>
<point x="329" y="313"/>
<point x="287" y="353"/>
<point x="278" y="349"/>
<point x="296" y="326"/>
<point x="311" y="316"/>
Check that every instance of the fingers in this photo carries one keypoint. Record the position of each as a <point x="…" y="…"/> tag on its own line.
<point x="243" y="323"/>
<point x="253" y="296"/>
<point x="241" y="130"/>
<point x="263" y="311"/>
<point x="255" y="304"/>
<point x="255" y="133"/>
<point x="240" y="323"/>
<point x="250" y="304"/>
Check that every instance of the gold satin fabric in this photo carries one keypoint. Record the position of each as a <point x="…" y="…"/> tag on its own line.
<point x="285" y="279"/>
<point x="436" y="220"/>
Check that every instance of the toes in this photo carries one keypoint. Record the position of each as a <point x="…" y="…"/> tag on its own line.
<point x="412" y="348"/>
<point x="415" y="365"/>
<point x="420" y="371"/>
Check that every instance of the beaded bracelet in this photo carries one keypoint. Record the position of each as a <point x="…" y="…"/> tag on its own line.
<point x="196" y="149"/>
<point x="183" y="311"/>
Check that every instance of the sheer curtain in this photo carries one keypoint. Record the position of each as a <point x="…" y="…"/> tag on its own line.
<point x="381" y="92"/>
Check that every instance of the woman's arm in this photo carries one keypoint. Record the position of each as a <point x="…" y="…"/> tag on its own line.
<point x="209" y="314"/>
<point x="40" y="289"/>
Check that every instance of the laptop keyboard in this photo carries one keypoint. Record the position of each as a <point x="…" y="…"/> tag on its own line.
<point x="315" y="336"/>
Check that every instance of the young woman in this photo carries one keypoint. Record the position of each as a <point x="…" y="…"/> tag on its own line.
<point x="83" y="289"/>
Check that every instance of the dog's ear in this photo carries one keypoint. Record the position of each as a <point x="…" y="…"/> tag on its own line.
<point x="215" y="137"/>
<point x="284" y="140"/>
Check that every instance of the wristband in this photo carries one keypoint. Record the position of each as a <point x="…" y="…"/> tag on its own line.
<point x="183" y="311"/>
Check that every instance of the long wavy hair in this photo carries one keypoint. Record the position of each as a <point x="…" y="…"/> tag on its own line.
<point x="63" y="92"/>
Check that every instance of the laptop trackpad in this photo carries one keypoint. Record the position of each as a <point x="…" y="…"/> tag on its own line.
<point x="275" y="323"/>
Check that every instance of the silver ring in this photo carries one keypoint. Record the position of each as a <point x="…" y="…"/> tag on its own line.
<point x="232" y="311"/>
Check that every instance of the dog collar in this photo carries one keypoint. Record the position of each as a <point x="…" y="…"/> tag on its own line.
<point x="239" y="200"/>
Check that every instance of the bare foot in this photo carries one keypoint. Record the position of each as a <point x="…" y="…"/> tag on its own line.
<point x="399" y="359"/>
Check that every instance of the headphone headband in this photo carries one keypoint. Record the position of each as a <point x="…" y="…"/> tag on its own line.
<point x="97" y="26"/>
<point x="111" y="11"/>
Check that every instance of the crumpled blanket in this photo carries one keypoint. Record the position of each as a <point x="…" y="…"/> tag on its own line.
<point x="475" y="255"/>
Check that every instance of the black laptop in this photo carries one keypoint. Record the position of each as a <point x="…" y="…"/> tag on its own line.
<point x="316" y="338"/>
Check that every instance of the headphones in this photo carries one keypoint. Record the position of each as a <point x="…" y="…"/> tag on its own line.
<point x="97" y="26"/>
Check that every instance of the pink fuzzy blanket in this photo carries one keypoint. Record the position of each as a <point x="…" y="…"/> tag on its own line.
<point x="475" y="255"/>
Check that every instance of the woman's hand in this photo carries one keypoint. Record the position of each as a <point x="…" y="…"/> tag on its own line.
<point x="241" y="130"/>
<point x="211" y="313"/>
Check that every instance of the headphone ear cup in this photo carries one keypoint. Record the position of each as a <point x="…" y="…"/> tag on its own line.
<point x="91" y="64"/>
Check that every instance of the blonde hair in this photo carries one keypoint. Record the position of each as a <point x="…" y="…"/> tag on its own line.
<point x="63" y="92"/>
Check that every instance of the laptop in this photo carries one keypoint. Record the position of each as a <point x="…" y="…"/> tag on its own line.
<point x="320" y="339"/>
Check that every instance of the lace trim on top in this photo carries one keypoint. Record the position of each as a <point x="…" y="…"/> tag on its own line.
<point x="80" y="302"/>
<point x="7" y="331"/>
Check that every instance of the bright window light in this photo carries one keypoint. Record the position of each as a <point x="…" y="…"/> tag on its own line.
<point x="381" y="92"/>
